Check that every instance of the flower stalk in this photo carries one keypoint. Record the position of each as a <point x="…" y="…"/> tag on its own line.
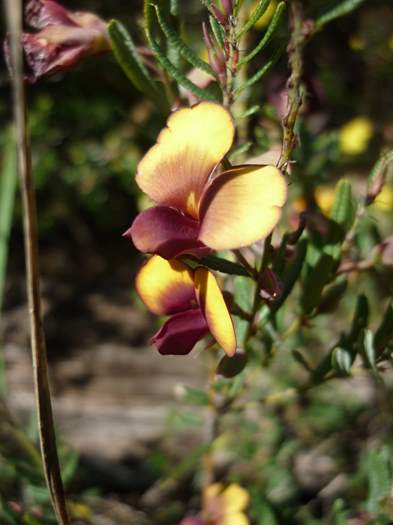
<point x="38" y="345"/>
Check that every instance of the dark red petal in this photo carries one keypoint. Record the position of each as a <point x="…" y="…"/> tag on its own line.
<point x="181" y="332"/>
<point x="42" y="13"/>
<point x="166" y="232"/>
<point x="42" y="59"/>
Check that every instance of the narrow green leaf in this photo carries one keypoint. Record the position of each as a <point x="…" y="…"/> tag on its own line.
<point x="344" y="208"/>
<point x="343" y="8"/>
<point x="384" y="332"/>
<point x="379" y="479"/>
<point x="174" y="7"/>
<point x="360" y="319"/>
<point x="299" y="357"/>
<point x="254" y="17"/>
<point x="174" y="72"/>
<point x="368" y="349"/>
<point x="386" y="158"/>
<point x="342" y="360"/>
<point x="129" y="60"/>
<point x="243" y="294"/>
<point x="262" y="72"/>
<point x="218" y="264"/>
<point x="268" y="34"/>
<point x="332" y="296"/>
<point x="178" y="43"/>
<point x="251" y="111"/>
<point x="291" y="276"/>
<point x="217" y="31"/>
<point x="317" y="276"/>
<point x="8" y="183"/>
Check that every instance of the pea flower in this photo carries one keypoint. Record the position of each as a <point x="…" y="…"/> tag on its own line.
<point x="63" y="39"/>
<point x="222" y="506"/>
<point x="196" y="209"/>
<point x="192" y="299"/>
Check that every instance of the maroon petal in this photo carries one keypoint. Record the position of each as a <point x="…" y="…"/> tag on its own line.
<point x="166" y="232"/>
<point x="181" y="332"/>
<point x="42" y="13"/>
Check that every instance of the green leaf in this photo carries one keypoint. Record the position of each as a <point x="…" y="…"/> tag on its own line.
<point x="217" y="31"/>
<point x="299" y="357"/>
<point x="254" y="17"/>
<point x="195" y="396"/>
<point x="332" y="295"/>
<point x="344" y="208"/>
<point x="251" y="111"/>
<point x="176" y="74"/>
<point x="262" y="72"/>
<point x="243" y="293"/>
<point x="8" y="183"/>
<point x="263" y="512"/>
<point x="291" y="276"/>
<point x="317" y="276"/>
<point x="384" y="332"/>
<point x="232" y="366"/>
<point x="360" y="319"/>
<point x="379" y="479"/>
<point x="342" y="360"/>
<point x="129" y="60"/>
<point x="268" y="34"/>
<point x="368" y="349"/>
<point x="216" y="263"/>
<point x="343" y="8"/>
<point x="178" y="43"/>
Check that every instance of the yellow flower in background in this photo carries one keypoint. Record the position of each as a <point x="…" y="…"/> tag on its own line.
<point x="222" y="506"/>
<point x="355" y="135"/>
<point x="267" y="15"/>
<point x="324" y="196"/>
<point x="225" y="506"/>
<point x="384" y="201"/>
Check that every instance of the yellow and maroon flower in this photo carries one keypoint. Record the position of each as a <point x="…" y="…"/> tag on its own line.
<point x="63" y="39"/>
<point x="192" y="299"/>
<point x="196" y="211"/>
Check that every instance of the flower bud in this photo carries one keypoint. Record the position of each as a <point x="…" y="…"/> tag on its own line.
<point x="271" y="286"/>
<point x="64" y="38"/>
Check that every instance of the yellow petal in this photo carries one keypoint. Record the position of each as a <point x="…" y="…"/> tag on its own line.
<point x="215" y="310"/>
<point x="166" y="287"/>
<point x="241" y="206"/>
<point x="235" y="498"/>
<point x="175" y="170"/>
<point x="234" y="519"/>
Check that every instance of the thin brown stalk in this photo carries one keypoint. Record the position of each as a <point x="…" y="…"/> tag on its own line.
<point x="301" y="31"/>
<point x="38" y="346"/>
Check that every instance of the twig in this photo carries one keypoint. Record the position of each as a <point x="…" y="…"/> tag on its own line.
<point x="38" y="346"/>
<point x="300" y="33"/>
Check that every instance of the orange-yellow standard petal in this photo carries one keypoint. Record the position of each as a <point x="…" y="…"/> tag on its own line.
<point x="241" y="206"/>
<point x="166" y="287"/>
<point x="215" y="310"/>
<point x="174" y="171"/>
